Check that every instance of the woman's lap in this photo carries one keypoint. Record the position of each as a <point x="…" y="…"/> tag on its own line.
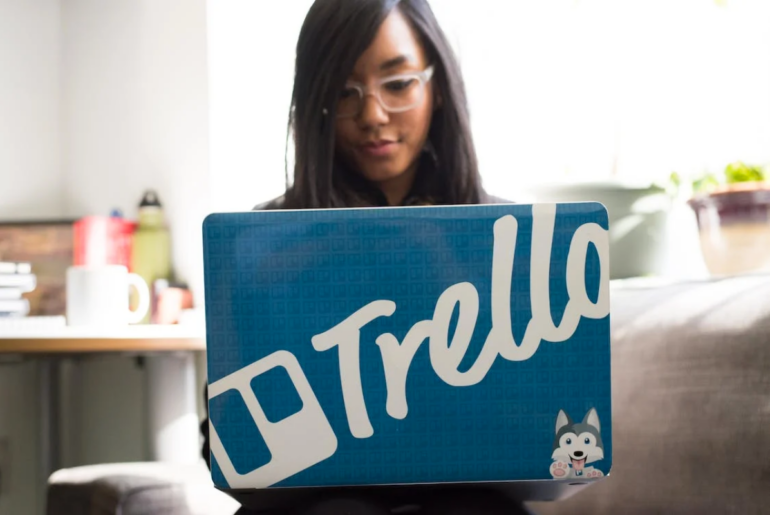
<point x="473" y="502"/>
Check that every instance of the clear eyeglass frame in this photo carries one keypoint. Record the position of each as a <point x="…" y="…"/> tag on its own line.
<point x="363" y="91"/>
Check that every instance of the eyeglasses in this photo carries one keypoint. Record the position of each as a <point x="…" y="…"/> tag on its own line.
<point x="396" y="94"/>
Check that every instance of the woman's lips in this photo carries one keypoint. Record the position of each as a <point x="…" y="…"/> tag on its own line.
<point x="380" y="148"/>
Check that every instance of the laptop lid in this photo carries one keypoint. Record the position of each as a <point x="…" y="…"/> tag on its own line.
<point x="409" y="346"/>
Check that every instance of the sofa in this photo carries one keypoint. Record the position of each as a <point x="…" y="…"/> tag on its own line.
<point x="691" y="416"/>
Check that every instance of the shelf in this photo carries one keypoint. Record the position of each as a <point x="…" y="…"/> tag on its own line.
<point x="65" y="340"/>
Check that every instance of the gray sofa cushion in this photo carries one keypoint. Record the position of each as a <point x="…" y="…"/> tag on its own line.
<point x="691" y="401"/>
<point x="136" y="489"/>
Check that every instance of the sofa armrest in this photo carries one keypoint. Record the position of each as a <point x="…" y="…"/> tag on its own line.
<point x="136" y="488"/>
<point x="690" y="400"/>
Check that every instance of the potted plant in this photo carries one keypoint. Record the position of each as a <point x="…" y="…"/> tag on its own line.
<point x="637" y="220"/>
<point x="733" y="215"/>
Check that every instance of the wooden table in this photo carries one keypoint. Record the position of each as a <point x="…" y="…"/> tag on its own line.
<point x="75" y="340"/>
<point x="171" y="376"/>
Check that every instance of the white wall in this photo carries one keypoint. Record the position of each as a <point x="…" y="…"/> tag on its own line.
<point x="136" y="115"/>
<point x="251" y="63"/>
<point x="29" y="110"/>
<point x="98" y="101"/>
<point x="30" y="187"/>
<point x="601" y="90"/>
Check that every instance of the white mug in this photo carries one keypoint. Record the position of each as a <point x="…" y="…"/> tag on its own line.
<point x="99" y="296"/>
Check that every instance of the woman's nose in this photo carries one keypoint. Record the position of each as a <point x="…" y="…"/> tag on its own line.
<point x="372" y="113"/>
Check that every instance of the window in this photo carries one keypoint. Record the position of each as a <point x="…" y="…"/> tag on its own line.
<point x="559" y="90"/>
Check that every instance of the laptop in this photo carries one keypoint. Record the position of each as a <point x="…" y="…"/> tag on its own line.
<point x="402" y="348"/>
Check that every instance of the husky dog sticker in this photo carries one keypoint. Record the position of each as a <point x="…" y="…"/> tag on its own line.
<point x="577" y="445"/>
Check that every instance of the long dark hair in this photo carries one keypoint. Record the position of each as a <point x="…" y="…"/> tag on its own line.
<point x="335" y="33"/>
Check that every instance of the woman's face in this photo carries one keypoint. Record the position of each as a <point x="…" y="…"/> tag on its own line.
<point x="384" y="146"/>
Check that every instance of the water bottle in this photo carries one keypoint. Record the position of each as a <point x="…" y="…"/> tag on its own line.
<point x="151" y="251"/>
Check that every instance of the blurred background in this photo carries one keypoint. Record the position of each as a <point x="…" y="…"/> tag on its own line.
<point x="659" y="109"/>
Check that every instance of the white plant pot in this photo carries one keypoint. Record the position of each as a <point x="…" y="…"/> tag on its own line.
<point x="637" y="217"/>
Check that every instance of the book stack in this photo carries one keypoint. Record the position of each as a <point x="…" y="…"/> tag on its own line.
<point x="16" y="279"/>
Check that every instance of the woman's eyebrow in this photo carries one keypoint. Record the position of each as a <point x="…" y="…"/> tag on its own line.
<point x="396" y="61"/>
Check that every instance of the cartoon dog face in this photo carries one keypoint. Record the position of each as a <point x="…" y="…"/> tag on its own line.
<point x="578" y="444"/>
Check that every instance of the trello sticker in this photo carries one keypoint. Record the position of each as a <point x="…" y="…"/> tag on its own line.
<point x="415" y="345"/>
<point x="295" y="443"/>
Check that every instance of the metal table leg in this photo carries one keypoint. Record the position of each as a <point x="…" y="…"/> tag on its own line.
<point x="48" y="381"/>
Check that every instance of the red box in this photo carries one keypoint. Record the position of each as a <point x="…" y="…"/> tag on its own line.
<point x="103" y="240"/>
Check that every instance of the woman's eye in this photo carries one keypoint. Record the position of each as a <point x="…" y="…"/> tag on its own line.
<point x="399" y="85"/>
<point x="348" y="93"/>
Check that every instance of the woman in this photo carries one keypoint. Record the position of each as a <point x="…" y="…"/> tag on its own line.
<point x="379" y="118"/>
<point x="379" y="114"/>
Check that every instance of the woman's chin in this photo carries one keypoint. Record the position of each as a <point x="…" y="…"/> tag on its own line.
<point x="381" y="174"/>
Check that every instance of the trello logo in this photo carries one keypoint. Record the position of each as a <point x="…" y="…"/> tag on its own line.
<point x="296" y="443"/>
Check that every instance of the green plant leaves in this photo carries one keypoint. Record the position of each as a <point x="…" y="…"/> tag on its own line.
<point x="741" y="172"/>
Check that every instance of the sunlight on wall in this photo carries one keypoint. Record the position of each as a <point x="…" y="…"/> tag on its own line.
<point x="594" y="89"/>
<point x="251" y="70"/>
<point x="559" y="90"/>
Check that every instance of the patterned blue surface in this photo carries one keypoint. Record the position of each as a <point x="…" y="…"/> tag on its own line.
<point x="275" y="279"/>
